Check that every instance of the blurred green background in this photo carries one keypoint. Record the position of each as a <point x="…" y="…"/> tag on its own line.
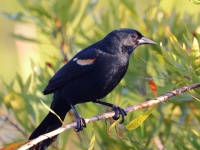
<point x="38" y="37"/>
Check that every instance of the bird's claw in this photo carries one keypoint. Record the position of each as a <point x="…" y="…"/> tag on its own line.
<point x="119" y="111"/>
<point x="80" y="124"/>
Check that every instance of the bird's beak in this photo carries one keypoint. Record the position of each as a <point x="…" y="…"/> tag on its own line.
<point x="145" y="40"/>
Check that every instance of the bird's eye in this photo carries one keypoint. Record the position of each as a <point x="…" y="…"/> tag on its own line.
<point x="134" y="36"/>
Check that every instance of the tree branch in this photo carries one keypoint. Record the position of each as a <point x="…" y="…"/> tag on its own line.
<point x="146" y="104"/>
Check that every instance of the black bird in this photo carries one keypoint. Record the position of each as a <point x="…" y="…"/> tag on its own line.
<point x="89" y="76"/>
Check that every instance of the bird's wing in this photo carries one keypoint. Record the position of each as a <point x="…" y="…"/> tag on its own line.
<point x="80" y="64"/>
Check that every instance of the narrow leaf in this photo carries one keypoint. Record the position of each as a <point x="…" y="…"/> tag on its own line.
<point x="92" y="139"/>
<point x="153" y="87"/>
<point x="196" y="2"/>
<point x="27" y="84"/>
<point x="113" y="125"/>
<point x="20" y="82"/>
<point x="52" y="111"/>
<point x="14" y="146"/>
<point x="23" y="38"/>
<point x="139" y="120"/>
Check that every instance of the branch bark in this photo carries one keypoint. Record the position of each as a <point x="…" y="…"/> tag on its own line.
<point x="129" y="109"/>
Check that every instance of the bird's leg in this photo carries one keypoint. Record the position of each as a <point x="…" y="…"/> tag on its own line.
<point x="79" y="120"/>
<point x="116" y="109"/>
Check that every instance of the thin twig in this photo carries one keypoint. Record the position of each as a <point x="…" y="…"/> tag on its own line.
<point x="6" y="118"/>
<point x="123" y="138"/>
<point x="146" y="104"/>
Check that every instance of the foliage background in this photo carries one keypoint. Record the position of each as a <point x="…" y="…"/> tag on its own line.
<point x="48" y="33"/>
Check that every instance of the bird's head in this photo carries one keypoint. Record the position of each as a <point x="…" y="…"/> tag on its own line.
<point x="127" y="40"/>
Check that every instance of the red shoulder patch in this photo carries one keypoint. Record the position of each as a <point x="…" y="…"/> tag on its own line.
<point x="84" y="62"/>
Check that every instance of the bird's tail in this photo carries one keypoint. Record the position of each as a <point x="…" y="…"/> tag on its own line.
<point x="50" y="123"/>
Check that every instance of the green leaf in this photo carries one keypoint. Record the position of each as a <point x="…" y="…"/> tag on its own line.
<point x="196" y="2"/>
<point x="20" y="81"/>
<point x="21" y="37"/>
<point x="113" y="125"/>
<point x="92" y="139"/>
<point x="139" y="120"/>
<point x="27" y="84"/>
<point x="129" y="4"/>
<point x="39" y="9"/>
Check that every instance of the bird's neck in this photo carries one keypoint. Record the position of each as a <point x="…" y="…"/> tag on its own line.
<point x="111" y="45"/>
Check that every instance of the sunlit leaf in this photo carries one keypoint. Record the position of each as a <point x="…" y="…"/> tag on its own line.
<point x="39" y="9"/>
<point x="92" y="140"/>
<point x="196" y="132"/>
<point x="27" y="84"/>
<point x="194" y="97"/>
<point x="52" y="111"/>
<point x="20" y="82"/>
<point x="113" y="125"/>
<point x="196" y="2"/>
<point x="139" y="120"/>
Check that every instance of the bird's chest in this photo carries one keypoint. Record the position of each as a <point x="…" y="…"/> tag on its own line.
<point x="110" y="72"/>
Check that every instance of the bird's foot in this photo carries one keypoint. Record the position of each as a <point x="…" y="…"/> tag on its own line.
<point x="119" y="111"/>
<point x="80" y="124"/>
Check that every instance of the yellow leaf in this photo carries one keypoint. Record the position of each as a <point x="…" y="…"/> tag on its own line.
<point x="92" y="139"/>
<point x="14" y="146"/>
<point x="139" y="120"/>
<point x="52" y="112"/>
<point x="196" y="132"/>
<point x="173" y="38"/>
<point x="113" y="125"/>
